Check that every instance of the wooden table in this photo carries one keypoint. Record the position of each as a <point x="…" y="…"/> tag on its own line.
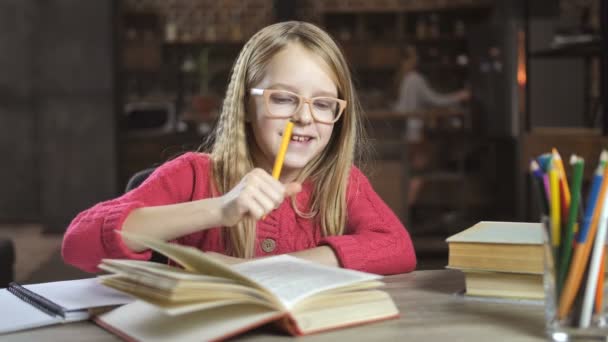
<point x="431" y="310"/>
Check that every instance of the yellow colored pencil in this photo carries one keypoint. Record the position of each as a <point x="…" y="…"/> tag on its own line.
<point x="278" y="162"/>
<point x="563" y="180"/>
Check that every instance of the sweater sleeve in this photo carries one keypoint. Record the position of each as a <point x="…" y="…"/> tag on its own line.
<point x="92" y="235"/>
<point x="375" y="240"/>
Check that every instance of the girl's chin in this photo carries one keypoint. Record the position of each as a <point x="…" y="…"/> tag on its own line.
<point x="295" y="163"/>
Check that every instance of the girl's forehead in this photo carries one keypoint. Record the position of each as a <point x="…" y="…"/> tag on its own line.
<point x="302" y="69"/>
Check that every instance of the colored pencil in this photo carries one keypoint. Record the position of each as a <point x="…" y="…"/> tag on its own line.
<point x="555" y="209"/>
<point x="563" y="182"/>
<point x="581" y="255"/>
<point x="594" y="265"/>
<point x="566" y="245"/>
<point x="278" y="162"/>
<point x="537" y="177"/>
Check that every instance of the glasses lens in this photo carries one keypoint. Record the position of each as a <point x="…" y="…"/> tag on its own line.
<point x="326" y="108"/>
<point x="282" y="103"/>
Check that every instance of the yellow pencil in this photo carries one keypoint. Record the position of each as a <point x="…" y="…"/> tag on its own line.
<point x="278" y="162"/>
<point x="563" y="180"/>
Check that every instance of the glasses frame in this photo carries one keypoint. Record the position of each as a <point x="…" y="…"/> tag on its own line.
<point x="266" y="93"/>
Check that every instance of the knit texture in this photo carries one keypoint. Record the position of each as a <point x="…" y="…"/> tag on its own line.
<point x="374" y="240"/>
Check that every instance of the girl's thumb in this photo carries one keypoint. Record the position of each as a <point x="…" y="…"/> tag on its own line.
<point x="292" y="188"/>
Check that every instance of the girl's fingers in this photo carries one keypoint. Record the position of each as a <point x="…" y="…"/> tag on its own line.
<point x="252" y="207"/>
<point x="261" y="193"/>
<point x="262" y="199"/>
<point x="271" y="183"/>
<point x="275" y="193"/>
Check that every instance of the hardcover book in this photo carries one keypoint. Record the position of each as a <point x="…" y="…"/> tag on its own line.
<point x="207" y="300"/>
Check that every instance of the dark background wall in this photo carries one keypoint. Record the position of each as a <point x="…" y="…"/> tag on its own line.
<point x="556" y="85"/>
<point x="57" y="109"/>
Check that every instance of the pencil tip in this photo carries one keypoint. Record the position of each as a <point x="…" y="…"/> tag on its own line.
<point x="534" y="165"/>
<point x="555" y="154"/>
<point x="575" y="159"/>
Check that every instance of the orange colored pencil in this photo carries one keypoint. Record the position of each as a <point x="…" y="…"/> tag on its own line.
<point x="581" y="256"/>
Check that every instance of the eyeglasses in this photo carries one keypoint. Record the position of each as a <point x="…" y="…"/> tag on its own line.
<point x="284" y="104"/>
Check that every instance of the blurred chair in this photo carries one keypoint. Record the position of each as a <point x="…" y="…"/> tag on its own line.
<point x="133" y="183"/>
<point x="7" y="262"/>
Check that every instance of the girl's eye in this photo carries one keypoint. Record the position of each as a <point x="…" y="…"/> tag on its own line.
<point x="321" y="104"/>
<point x="283" y="99"/>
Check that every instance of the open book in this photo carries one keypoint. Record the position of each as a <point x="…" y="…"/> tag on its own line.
<point x="207" y="300"/>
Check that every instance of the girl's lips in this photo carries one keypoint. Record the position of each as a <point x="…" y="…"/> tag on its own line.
<point x="299" y="140"/>
<point x="299" y="137"/>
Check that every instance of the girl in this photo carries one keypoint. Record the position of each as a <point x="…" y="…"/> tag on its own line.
<point x="227" y="204"/>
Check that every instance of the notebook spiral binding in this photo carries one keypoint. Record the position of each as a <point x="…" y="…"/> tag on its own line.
<point x="36" y="300"/>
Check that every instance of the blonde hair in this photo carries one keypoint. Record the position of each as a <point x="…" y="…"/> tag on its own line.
<point x="329" y="171"/>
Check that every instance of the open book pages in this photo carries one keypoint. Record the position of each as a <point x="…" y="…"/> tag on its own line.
<point x="302" y="296"/>
<point x="282" y="280"/>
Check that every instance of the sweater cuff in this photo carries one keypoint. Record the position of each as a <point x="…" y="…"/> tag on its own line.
<point x="111" y="239"/>
<point x="348" y="251"/>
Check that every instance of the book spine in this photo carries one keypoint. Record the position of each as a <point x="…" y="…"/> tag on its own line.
<point x="36" y="300"/>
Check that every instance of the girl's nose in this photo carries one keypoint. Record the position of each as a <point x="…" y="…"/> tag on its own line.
<point x="304" y="115"/>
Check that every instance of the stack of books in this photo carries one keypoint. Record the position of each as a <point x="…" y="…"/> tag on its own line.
<point x="500" y="259"/>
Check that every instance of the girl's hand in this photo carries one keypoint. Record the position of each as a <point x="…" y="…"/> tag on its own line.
<point x="256" y="195"/>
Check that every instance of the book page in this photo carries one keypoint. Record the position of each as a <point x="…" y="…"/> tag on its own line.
<point x="343" y="309"/>
<point x="292" y="279"/>
<point x="140" y="321"/>
<point x="190" y="258"/>
<point x="501" y="232"/>
<point x="162" y="270"/>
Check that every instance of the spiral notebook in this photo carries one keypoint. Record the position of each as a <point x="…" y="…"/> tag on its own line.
<point x="36" y="305"/>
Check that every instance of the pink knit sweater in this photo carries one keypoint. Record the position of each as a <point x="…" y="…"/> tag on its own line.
<point x="374" y="240"/>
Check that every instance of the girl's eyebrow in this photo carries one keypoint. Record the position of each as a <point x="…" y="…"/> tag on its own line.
<point x="284" y="86"/>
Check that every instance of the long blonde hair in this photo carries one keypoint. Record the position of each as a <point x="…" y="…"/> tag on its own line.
<point x="231" y="153"/>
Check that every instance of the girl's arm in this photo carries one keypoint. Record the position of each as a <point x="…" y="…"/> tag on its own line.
<point x="92" y="235"/>
<point x="322" y="255"/>
<point x="256" y="195"/>
<point x="183" y="218"/>
<point x="375" y="240"/>
<point x="162" y="207"/>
